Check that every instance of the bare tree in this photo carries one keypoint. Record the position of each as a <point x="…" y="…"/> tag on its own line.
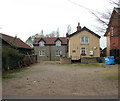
<point x="53" y="34"/>
<point x="57" y="33"/>
<point x="69" y="29"/>
<point x="101" y="18"/>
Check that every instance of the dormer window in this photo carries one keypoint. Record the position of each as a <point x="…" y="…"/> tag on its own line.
<point x="58" y="43"/>
<point x="41" y="43"/>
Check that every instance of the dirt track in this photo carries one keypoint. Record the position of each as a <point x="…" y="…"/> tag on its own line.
<point x="53" y="80"/>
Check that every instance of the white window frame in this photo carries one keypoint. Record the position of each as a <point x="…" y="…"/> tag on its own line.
<point x="81" y="50"/>
<point x="41" y="43"/>
<point x="57" y="52"/>
<point x="58" y="43"/>
<point x="41" y="53"/>
<point x="84" y="40"/>
<point x="112" y="31"/>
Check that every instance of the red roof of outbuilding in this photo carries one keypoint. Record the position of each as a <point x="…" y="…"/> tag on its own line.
<point x="50" y="40"/>
<point x="18" y="42"/>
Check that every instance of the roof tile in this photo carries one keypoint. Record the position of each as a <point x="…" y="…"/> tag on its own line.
<point x="18" y="42"/>
<point x="50" y="40"/>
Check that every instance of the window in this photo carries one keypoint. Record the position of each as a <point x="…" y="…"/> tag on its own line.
<point x="84" y="40"/>
<point x="41" y="43"/>
<point x="83" y="51"/>
<point x="58" y="43"/>
<point x="73" y="51"/>
<point x="112" y="31"/>
<point x="41" y="53"/>
<point x="58" y="53"/>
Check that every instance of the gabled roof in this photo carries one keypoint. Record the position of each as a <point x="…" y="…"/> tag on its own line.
<point x="50" y="40"/>
<point x="117" y="10"/>
<point x="86" y="29"/>
<point x="18" y="42"/>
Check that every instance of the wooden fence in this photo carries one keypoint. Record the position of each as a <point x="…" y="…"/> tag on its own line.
<point x="28" y="60"/>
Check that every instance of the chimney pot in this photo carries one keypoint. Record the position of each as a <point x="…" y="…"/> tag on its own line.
<point x="66" y="34"/>
<point x="78" y="27"/>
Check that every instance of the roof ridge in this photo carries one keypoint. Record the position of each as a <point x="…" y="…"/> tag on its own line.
<point x="84" y="28"/>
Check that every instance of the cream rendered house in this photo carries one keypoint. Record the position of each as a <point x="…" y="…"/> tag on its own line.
<point x="84" y="43"/>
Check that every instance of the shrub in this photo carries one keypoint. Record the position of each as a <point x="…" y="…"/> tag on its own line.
<point x="117" y="60"/>
<point x="10" y="58"/>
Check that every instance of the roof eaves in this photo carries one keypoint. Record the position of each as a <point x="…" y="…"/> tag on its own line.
<point x="84" y="28"/>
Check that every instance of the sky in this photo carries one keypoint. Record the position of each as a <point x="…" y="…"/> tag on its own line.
<point x="25" y="18"/>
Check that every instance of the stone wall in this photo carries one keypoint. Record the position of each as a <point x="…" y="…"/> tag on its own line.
<point x="92" y="60"/>
<point x="64" y="60"/>
<point x="50" y="52"/>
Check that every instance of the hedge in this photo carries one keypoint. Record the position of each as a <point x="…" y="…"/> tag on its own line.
<point x="10" y="58"/>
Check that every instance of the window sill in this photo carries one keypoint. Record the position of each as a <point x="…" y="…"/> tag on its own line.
<point x="83" y="54"/>
<point x="84" y="43"/>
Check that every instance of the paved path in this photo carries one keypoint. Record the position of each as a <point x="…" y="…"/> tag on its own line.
<point x="45" y="80"/>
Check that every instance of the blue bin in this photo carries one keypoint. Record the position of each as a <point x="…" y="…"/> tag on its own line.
<point x="109" y="60"/>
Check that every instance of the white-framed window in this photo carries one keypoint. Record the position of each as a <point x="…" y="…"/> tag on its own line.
<point x="58" y="53"/>
<point x="41" y="43"/>
<point x="58" y="43"/>
<point x="83" y="51"/>
<point x="112" y="28"/>
<point x="41" y="53"/>
<point x="84" y="40"/>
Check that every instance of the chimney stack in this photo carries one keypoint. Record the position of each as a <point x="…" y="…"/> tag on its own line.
<point x="66" y="35"/>
<point x="78" y="27"/>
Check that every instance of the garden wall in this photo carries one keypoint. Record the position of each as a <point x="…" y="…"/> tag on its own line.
<point x="28" y="60"/>
<point x="92" y="60"/>
<point x="65" y="60"/>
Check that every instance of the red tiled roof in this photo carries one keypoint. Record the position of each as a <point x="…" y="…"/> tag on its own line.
<point x="50" y="40"/>
<point x="18" y="42"/>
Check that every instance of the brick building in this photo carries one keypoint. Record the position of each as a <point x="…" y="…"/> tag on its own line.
<point x="15" y="43"/>
<point x="113" y="34"/>
<point x="50" y="48"/>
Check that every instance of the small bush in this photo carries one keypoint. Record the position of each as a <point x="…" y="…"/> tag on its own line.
<point x="117" y="60"/>
<point x="10" y="58"/>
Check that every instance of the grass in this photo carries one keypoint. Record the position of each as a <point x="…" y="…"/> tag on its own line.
<point x="13" y="73"/>
<point x="88" y="65"/>
<point x="47" y="63"/>
<point x="9" y="76"/>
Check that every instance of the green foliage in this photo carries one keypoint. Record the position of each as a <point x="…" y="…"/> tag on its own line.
<point x="10" y="58"/>
<point x="117" y="60"/>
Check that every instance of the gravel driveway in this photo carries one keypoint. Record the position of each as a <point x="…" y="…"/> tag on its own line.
<point x="51" y="80"/>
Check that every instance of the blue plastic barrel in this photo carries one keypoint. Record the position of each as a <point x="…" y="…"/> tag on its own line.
<point x="109" y="60"/>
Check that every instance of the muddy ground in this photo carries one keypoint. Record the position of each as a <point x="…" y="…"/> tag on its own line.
<point x="53" y="80"/>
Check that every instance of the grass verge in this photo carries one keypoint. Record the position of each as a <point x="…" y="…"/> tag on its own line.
<point x="13" y="73"/>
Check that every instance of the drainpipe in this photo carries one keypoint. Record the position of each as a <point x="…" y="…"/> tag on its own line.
<point x="50" y="52"/>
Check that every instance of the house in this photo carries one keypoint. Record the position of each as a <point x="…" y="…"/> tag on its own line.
<point x="83" y="43"/>
<point x="113" y="34"/>
<point x="15" y="43"/>
<point x="50" y="48"/>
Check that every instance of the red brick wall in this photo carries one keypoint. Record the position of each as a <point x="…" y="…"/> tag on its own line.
<point x="115" y="22"/>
